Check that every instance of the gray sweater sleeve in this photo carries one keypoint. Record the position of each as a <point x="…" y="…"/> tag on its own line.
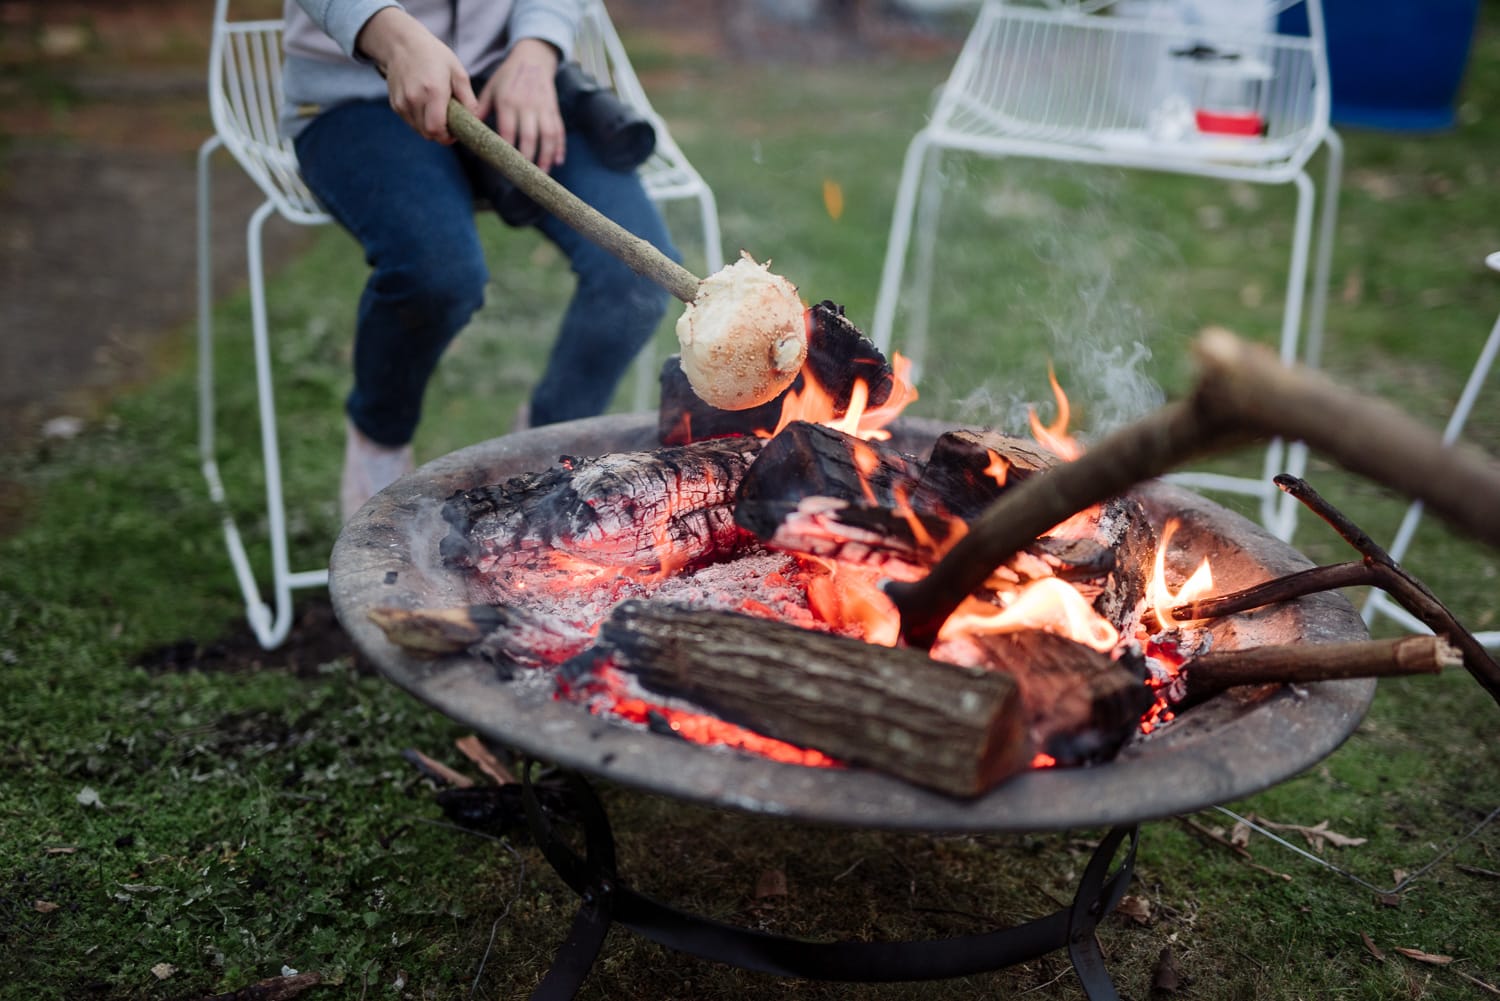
<point x="342" y="19"/>
<point x="553" y="21"/>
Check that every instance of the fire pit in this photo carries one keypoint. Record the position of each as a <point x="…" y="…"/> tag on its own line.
<point x="1221" y="750"/>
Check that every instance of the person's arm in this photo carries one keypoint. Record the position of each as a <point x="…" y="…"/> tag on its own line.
<point x="421" y="72"/>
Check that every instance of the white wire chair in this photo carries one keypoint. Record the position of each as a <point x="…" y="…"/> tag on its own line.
<point x="244" y="93"/>
<point x="1139" y="84"/>
<point x="1379" y="603"/>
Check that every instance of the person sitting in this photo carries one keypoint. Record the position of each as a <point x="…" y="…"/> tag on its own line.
<point x="367" y="85"/>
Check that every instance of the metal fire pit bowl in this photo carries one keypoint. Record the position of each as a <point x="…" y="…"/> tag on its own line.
<point x="1223" y="750"/>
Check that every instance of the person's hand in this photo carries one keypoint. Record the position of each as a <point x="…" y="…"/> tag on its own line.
<point x="421" y="72"/>
<point x="523" y="95"/>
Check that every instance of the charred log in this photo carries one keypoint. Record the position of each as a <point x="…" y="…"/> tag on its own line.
<point x="838" y="357"/>
<point x="956" y="729"/>
<point x="969" y="468"/>
<point x="639" y="510"/>
<point x="1081" y="706"/>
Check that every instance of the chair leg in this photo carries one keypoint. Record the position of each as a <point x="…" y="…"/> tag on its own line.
<point x="1378" y="603"/>
<point x="1279" y="511"/>
<point x="271" y="624"/>
<point x="713" y="242"/>
<point x="912" y="168"/>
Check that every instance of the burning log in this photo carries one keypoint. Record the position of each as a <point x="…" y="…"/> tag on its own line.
<point x="803" y="493"/>
<point x="957" y="729"/>
<point x="638" y="510"/>
<point x="1081" y="705"/>
<point x="838" y="358"/>
<point x="969" y="469"/>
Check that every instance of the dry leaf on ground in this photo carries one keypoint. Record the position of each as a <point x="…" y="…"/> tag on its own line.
<point x="1371" y="947"/>
<point x="1137" y="909"/>
<point x="1425" y="957"/>
<point x="44" y="906"/>
<point x="772" y="883"/>
<point x="1166" y="978"/>
<point x="1318" y="835"/>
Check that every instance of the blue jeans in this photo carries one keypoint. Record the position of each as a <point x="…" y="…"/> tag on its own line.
<point x="410" y="204"/>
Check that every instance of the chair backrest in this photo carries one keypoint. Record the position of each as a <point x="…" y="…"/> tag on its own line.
<point x="598" y="49"/>
<point x="1187" y="80"/>
<point x="244" y="98"/>
<point x="245" y="102"/>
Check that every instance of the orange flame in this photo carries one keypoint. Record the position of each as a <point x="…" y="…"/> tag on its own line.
<point x="815" y="404"/>
<point x="998" y="469"/>
<point x="1054" y="437"/>
<point x="1049" y="604"/>
<point x="1162" y="598"/>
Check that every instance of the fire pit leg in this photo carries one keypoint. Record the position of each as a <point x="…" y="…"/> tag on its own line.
<point x="605" y="900"/>
<point x="593" y="877"/>
<point x="1094" y="900"/>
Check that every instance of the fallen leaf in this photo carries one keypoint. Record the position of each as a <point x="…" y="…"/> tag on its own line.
<point x="1239" y="834"/>
<point x="1425" y="957"/>
<point x="1166" y="978"/>
<point x="1388" y="899"/>
<point x="772" y="883"/>
<point x="1398" y="876"/>
<point x="1137" y="909"/>
<point x="62" y="850"/>
<point x="45" y="906"/>
<point x="161" y="971"/>
<point x="1318" y="834"/>
<point x="1371" y="947"/>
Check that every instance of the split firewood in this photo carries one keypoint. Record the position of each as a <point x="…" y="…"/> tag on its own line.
<point x="957" y="729"/>
<point x="1303" y="663"/>
<point x="636" y="510"/>
<point x="838" y="358"/>
<point x="1243" y="393"/>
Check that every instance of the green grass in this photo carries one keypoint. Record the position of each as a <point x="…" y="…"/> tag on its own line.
<point x="262" y="816"/>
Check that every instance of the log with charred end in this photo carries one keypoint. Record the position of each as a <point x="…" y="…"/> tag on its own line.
<point x="1303" y="663"/>
<point x="505" y="635"/>
<point x="1081" y="705"/>
<point x="810" y="460"/>
<point x="899" y="546"/>
<point x="838" y="358"/>
<point x="956" y="729"/>
<point x="969" y="468"/>
<point x="636" y="510"/>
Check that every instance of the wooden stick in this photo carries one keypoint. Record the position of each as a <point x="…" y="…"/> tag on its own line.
<point x="1243" y="393"/>
<point x="1295" y="663"/>
<point x="1376" y="570"/>
<point x="639" y="255"/>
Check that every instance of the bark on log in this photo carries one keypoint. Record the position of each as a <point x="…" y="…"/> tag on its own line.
<point x="1081" y="705"/>
<point x="1302" y="663"/>
<point x="628" y="509"/>
<point x="1243" y="393"/>
<point x="955" y="729"/>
